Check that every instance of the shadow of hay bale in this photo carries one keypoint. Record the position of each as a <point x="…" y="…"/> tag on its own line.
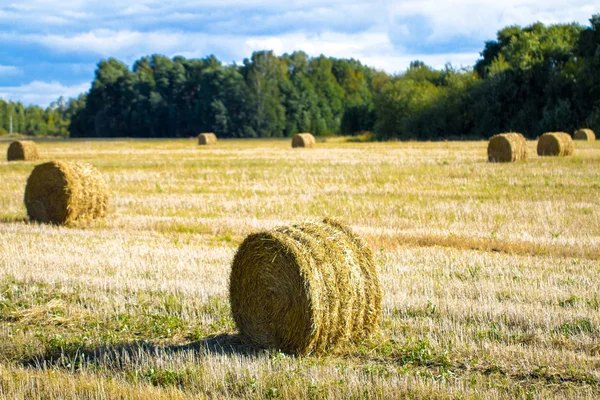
<point x="116" y="355"/>
<point x="223" y="344"/>
<point x="13" y="220"/>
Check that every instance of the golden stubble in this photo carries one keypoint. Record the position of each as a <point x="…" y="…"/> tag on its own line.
<point x="488" y="271"/>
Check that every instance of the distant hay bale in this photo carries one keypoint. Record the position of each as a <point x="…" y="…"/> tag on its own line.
<point x="22" y="150"/>
<point x="507" y="147"/>
<point x="62" y="192"/>
<point x="584" y="134"/>
<point x="555" y="144"/>
<point x="309" y="288"/>
<point x="303" y="140"/>
<point x="207" y="138"/>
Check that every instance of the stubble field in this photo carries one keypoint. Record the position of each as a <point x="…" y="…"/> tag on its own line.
<point x="490" y="272"/>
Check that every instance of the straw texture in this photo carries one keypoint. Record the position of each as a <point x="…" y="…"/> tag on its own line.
<point x="23" y="150"/>
<point x="62" y="192"/>
<point x="555" y="144"/>
<point x="207" y="138"/>
<point x="584" y="134"/>
<point x="309" y="288"/>
<point x="303" y="140"/>
<point x="507" y="147"/>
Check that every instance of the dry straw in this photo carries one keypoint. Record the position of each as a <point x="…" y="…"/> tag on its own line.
<point x="584" y="134"/>
<point x="207" y="138"/>
<point x="303" y="140"/>
<point x="62" y="192"/>
<point x="507" y="147"/>
<point x="310" y="288"/>
<point x="555" y="144"/>
<point x="22" y="150"/>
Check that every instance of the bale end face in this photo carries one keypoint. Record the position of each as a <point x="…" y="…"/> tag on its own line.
<point x="207" y="138"/>
<point x="273" y="296"/>
<point x="507" y="147"/>
<point x="23" y="150"/>
<point x="303" y="140"/>
<point x="305" y="289"/>
<point x="558" y="144"/>
<point x="584" y="134"/>
<point x="61" y="193"/>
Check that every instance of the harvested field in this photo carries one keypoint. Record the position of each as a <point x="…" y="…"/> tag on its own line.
<point x="489" y="272"/>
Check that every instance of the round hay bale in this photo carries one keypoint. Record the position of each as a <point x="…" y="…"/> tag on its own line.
<point x="23" y="150"/>
<point x="507" y="147"/>
<point x="303" y="140"/>
<point x="310" y="288"/>
<point x="207" y="138"/>
<point x="555" y="144"/>
<point x="584" y="134"/>
<point x="61" y="193"/>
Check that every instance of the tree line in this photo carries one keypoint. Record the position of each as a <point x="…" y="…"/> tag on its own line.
<point x="267" y="96"/>
<point x="37" y="121"/>
<point x="531" y="80"/>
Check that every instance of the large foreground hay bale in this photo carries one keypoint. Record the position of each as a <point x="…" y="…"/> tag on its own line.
<point x="23" y="150"/>
<point x="207" y="138"/>
<point x="584" y="134"/>
<point x="507" y="147"/>
<point x="555" y="144"/>
<point x="62" y="192"/>
<point x="303" y="140"/>
<point x="309" y="288"/>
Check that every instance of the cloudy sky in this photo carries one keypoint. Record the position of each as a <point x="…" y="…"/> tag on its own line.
<point x="50" y="48"/>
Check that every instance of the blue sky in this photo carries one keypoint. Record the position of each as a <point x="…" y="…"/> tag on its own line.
<point x="50" y="48"/>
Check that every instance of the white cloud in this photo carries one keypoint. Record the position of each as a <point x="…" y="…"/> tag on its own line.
<point x="372" y="48"/>
<point x="127" y="30"/>
<point x="41" y="93"/>
<point x="271" y="23"/>
<point x="459" y="14"/>
<point x="482" y="19"/>
<point x="136" y="9"/>
<point x="329" y="43"/>
<point x="10" y="70"/>
<point x="110" y="43"/>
